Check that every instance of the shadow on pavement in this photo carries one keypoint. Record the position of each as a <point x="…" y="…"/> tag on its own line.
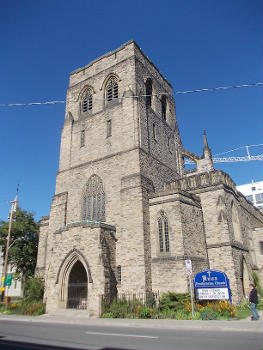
<point x="17" y="345"/>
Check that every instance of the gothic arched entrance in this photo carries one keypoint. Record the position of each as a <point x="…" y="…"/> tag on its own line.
<point x="77" y="287"/>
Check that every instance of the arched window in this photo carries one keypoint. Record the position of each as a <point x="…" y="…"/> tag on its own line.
<point x="163" y="230"/>
<point x="112" y="91"/>
<point x="86" y="101"/>
<point x="94" y="200"/>
<point x="164" y="107"/>
<point x="149" y="91"/>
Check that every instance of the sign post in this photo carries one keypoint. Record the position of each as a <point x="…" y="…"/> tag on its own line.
<point x="188" y="267"/>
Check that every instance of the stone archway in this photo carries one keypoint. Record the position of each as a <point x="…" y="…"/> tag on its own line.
<point x="74" y="271"/>
<point x="77" y="287"/>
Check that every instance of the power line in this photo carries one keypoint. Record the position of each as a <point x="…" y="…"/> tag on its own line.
<point x="231" y="159"/>
<point x="246" y="158"/>
<point x="218" y="88"/>
<point x="138" y="96"/>
<point x="235" y="149"/>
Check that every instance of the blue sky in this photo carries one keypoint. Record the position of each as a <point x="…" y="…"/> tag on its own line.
<point x="194" y="43"/>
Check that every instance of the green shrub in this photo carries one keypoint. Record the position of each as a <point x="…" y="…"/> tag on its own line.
<point x="260" y="304"/>
<point x="244" y="305"/>
<point x="145" y="313"/>
<point x="208" y="314"/>
<point x="182" y="315"/>
<point x="34" y="289"/>
<point x="107" y="315"/>
<point x="174" y="301"/>
<point x="150" y="300"/>
<point x="121" y="308"/>
<point x="196" y="316"/>
<point x="33" y="308"/>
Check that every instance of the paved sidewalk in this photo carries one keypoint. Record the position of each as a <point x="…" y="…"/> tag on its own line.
<point x="82" y="318"/>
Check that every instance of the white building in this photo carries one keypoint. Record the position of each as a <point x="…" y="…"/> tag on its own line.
<point x="15" y="290"/>
<point x="253" y="192"/>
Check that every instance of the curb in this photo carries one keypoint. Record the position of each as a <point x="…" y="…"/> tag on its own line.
<point x="232" y="326"/>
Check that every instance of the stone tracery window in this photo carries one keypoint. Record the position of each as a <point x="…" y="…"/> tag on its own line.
<point x="112" y="89"/>
<point x="163" y="231"/>
<point x="86" y="101"/>
<point x="94" y="200"/>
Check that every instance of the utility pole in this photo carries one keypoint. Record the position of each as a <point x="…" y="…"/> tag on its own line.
<point x="13" y="209"/>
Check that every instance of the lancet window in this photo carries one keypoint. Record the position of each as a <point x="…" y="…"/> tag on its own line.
<point x="149" y="91"/>
<point x="163" y="231"/>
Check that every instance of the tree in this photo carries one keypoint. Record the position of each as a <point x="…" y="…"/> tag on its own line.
<point x="22" y="253"/>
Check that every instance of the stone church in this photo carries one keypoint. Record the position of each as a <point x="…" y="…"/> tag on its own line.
<point x="126" y="213"/>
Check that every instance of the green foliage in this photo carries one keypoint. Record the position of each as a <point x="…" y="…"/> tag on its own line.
<point x="107" y="315"/>
<point x="145" y="313"/>
<point x="243" y="309"/>
<point x="257" y="284"/>
<point x="34" y="289"/>
<point x="120" y="308"/>
<point x="208" y="314"/>
<point x="174" y="301"/>
<point x="196" y="316"/>
<point x="23" y="253"/>
<point x="182" y="315"/>
<point x="260" y="304"/>
<point x="33" y="308"/>
<point x="150" y="300"/>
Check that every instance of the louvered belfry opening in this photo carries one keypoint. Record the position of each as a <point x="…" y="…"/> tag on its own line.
<point x="86" y="103"/>
<point x="112" y="91"/>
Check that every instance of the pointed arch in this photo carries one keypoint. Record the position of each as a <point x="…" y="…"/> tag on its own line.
<point x="110" y="87"/>
<point x="86" y="99"/>
<point x="93" y="202"/>
<point x="69" y="260"/>
<point x="65" y="269"/>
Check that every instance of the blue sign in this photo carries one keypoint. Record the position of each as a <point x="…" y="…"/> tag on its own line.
<point x="207" y="279"/>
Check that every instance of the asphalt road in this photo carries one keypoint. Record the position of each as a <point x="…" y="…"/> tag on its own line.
<point x="51" y="336"/>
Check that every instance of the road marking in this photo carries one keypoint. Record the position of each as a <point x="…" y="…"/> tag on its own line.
<point x="123" y="335"/>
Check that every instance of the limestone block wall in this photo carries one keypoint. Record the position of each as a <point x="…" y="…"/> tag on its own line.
<point x="132" y="242"/>
<point x="42" y="246"/>
<point x="121" y="112"/>
<point x="108" y="244"/>
<point x="186" y="240"/>
<point x="257" y="239"/>
<point x="166" y="144"/>
<point x="66" y="251"/>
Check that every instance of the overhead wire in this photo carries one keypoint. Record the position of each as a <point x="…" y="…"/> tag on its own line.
<point x="138" y="96"/>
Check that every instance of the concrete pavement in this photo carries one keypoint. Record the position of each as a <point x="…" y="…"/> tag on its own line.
<point x="81" y="317"/>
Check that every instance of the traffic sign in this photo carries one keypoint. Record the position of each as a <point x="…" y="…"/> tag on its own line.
<point x="9" y="277"/>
